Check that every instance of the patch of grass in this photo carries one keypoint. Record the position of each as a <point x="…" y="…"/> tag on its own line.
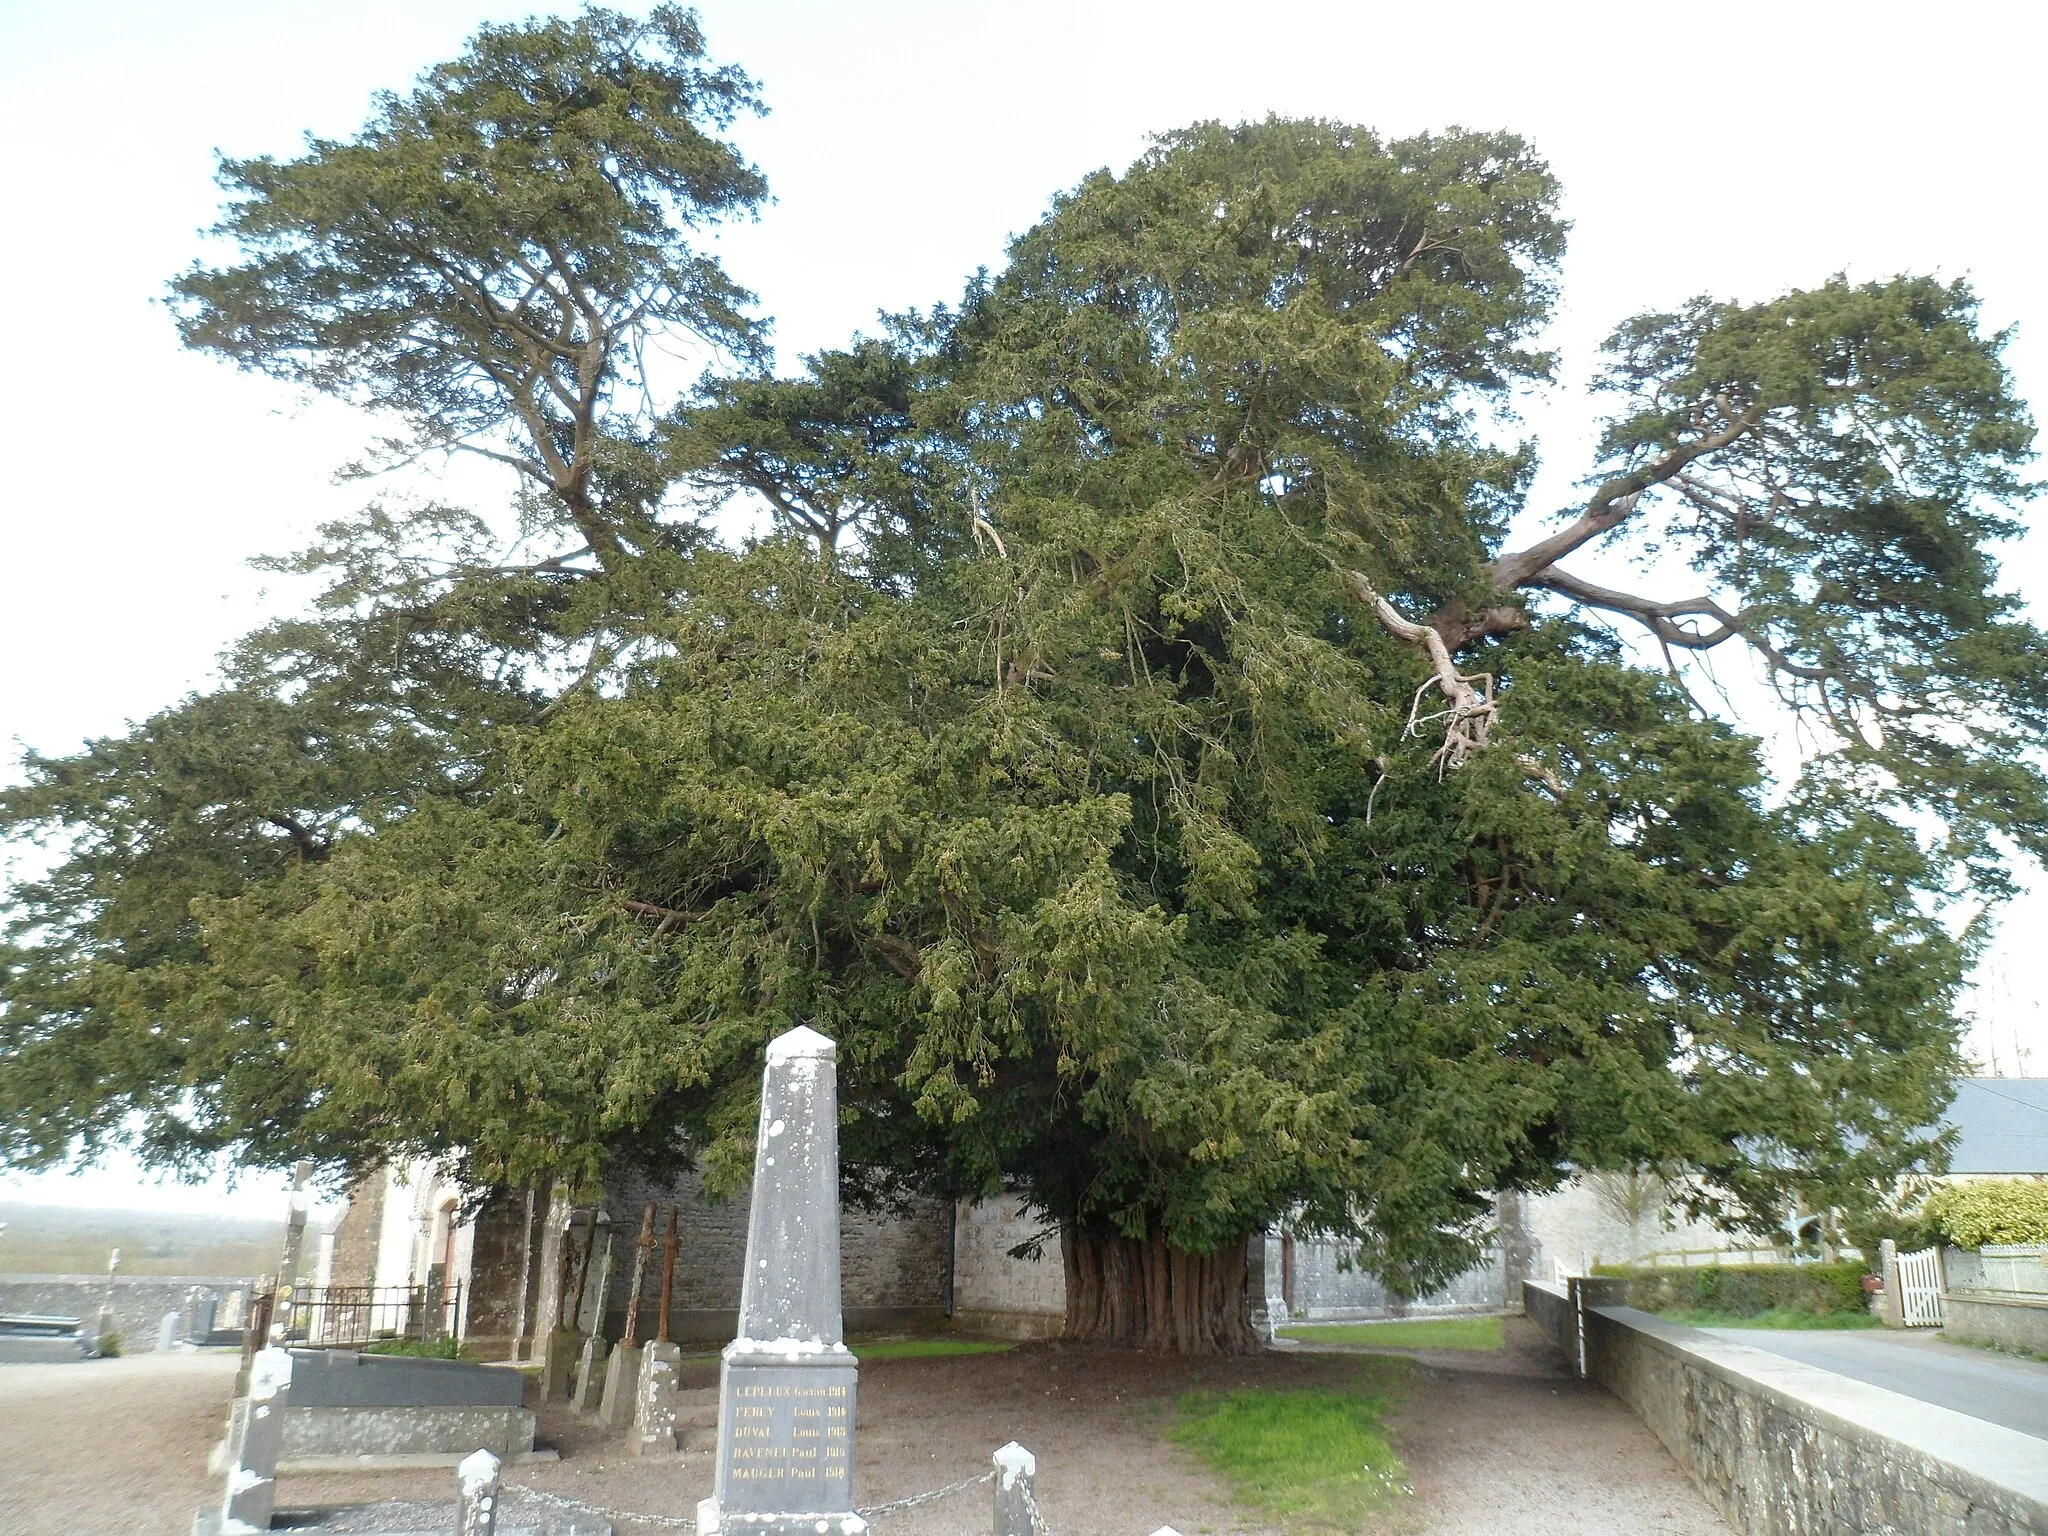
<point x="1776" y="1317"/>
<point x="1407" y="1333"/>
<point x="2017" y="1351"/>
<point x="920" y="1349"/>
<point x="440" y="1349"/>
<point x="1319" y="1460"/>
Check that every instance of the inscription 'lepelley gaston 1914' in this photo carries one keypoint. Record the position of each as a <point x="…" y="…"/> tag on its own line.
<point x="786" y="1385"/>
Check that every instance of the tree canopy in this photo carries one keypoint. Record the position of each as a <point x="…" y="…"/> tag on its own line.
<point x="1133" y="736"/>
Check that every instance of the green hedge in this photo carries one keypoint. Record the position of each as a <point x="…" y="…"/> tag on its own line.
<point x="1744" y="1290"/>
<point x="1992" y="1211"/>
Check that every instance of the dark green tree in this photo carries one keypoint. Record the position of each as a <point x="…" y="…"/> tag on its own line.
<point x="1135" y="741"/>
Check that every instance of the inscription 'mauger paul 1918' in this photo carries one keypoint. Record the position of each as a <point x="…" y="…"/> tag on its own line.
<point x="786" y="1388"/>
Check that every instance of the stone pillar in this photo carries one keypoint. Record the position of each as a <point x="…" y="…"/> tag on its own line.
<point x="621" y="1385"/>
<point x="588" y="1391"/>
<point x="258" y="1436"/>
<point x="477" y="1490"/>
<point x="590" y="1372"/>
<point x="654" y="1405"/>
<point x="1894" y="1300"/>
<point x="547" y="1311"/>
<point x="786" y="1384"/>
<point x="167" y="1333"/>
<point x="525" y="1282"/>
<point x="434" y="1304"/>
<point x="1016" y="1493"/>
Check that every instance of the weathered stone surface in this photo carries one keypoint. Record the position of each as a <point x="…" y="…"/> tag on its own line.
<point x="2008" y="1322"/>
<point x="787" y="1383"/>
<point x="654" y="1401"/>
<point x="138" y="1302"/>
<point x="256" y="1440"/>
<point x="621" y="1384"/>
<point x="321" y="1435"/>
<point x="1785" y="1449"/>
<point x="589" y="1389"/>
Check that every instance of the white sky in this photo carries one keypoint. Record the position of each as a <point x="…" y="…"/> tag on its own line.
<point x="1735" y="150"/>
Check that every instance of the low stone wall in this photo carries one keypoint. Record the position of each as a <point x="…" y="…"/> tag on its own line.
<point x="1785" y="1449"/>
<point x="2007" y="1321"/>
<point x="139" y="1301"/>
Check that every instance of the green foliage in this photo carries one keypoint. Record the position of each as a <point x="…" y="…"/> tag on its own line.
<point x="1045" y="754"/>
<point x="1318" y="1460"/>
<point x="1911" y="1230"/>
<point x="107" y="1346"/>
<point x="1775" y="1317"/>
<point x="1983" y="1211"/>
<point x="1748" y="1290"/>
<point x="1481" y="1333"/>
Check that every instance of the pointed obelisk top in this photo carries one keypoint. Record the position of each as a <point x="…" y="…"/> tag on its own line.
<point x="801" y="1041"/>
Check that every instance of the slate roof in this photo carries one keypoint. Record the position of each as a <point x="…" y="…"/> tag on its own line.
<point x="2003" y="1123"/>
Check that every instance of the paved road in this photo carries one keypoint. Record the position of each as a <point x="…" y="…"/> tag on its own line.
<point x="2000" y="1388"/>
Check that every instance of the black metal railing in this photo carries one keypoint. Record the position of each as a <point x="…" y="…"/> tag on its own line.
<point x="350" y="1316"/>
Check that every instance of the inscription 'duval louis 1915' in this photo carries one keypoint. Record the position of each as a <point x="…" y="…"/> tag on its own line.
<point x="786" y="1384"/>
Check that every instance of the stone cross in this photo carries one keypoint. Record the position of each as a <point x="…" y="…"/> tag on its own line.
<point x="786" y="1384"/>
<point x="477" y="1490"/>
<point x="1016" y="1471"/>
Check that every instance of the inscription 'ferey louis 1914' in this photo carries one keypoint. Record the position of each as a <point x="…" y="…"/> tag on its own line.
<point x="786" y="1385"/>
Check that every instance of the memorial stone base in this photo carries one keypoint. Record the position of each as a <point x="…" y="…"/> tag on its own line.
<point x="785" y="1446"/>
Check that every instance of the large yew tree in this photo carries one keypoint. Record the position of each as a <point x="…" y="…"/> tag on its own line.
<point x="1139" y="735"/>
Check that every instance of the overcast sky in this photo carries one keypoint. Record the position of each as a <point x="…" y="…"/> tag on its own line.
<point x="1735" y="150"/>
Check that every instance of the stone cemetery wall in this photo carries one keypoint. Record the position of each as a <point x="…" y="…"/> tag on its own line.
<point x="892" y="1263"/>
<point x="140" y="1301"/>
<point x="1317" y="1281"/>
<point x="1785" y="1449"/>
<point x="994" y="1293"/>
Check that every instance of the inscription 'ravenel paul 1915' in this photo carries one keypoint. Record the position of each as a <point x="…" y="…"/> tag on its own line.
<point x="786" y="1384"/>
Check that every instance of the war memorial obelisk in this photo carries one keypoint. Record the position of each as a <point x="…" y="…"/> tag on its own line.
<point x="785" y="1398"/>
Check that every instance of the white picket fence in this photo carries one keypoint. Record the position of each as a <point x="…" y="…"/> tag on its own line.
<point x="1920" y="1288"/>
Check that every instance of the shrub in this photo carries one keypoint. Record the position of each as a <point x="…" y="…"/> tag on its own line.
<point x="108" y="1346"/>
<point x="1992" y="1211"/>
<point x="1746" y="1290"/>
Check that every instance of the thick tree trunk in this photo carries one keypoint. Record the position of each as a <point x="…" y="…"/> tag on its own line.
<point x="1146" y="1294"/>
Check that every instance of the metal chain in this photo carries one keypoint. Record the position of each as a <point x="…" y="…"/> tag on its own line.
<point x="1038" y="1525"/>
<point x="563" y="1501"/>
<point x="925" y="1498"/>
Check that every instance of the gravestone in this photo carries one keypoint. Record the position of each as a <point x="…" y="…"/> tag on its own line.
<point x="200" y="1306"/>
<point x="255" y="1439"/>
<point x="786" y="1384"/>
<point x="654" y="1405"/>
<point x="167" y="1333"/>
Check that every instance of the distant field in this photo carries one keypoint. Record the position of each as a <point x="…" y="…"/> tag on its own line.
<point x="52" y="1240"/>
<point x="1480" y="1333"/>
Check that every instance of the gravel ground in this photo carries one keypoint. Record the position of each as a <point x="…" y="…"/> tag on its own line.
<point x="1493" y="1442"/>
